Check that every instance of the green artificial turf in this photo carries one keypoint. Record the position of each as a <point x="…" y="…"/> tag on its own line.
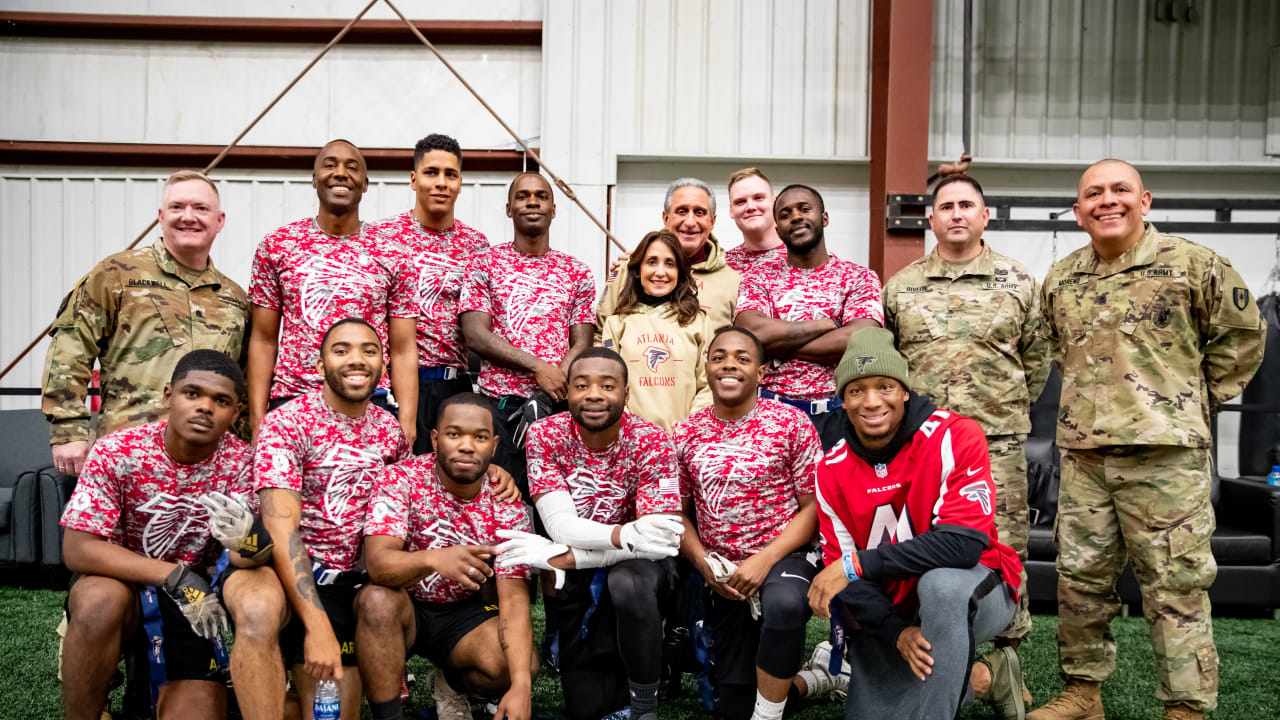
<point x="1249" y="648"/>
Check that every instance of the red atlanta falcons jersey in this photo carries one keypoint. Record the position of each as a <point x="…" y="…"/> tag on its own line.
<point x="840" y="290"/>
<point x="744" y="475"/>
<point x="411" y="503"/>
<point x="942" y="476"/>
<point x="313" y="279"/>
<point x="634" y="476"/>
<point x="434" y="263"/>
<point x="133" y="494"/>
<point x="533" y="300"/>
<point x="331" y="460"/>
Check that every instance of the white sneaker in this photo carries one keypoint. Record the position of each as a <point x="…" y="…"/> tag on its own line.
<point x="823" y="682"/>
<point x="450" y="704"/>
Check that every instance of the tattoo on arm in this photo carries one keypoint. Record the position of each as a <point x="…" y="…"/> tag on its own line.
<point x="303" y="579"/>
<point x="502" y="634"/>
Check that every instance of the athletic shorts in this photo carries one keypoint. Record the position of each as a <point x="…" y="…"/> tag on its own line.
<point x="339" y="602"/>
<point x="441" y="626"/>
<point x="187" y="656"/>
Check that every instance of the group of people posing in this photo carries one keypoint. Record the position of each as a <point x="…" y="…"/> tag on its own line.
<point x="730" y="441"/>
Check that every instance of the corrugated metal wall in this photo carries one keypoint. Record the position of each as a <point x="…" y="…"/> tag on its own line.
<point x="56" y="225"/>
<point x="420" y="9"/>
<point x="166" y="92"/>
<point x="1084" y="79"/>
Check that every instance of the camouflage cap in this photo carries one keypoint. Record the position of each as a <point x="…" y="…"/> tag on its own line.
<point x="870" y="352"/>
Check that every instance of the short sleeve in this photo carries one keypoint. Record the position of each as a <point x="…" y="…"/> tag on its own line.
<point x="402" y="297"/>
<point x="389" y="505"/>
<point x="264" y="280"/>
<point x="683" y="464"/>
<point x="240" y="485"/>
<point x="279" y="455"/>
<point x="584" y="296"/>
<point x="513" y="516"/>
<point x="806" y="454"/>
<point x="861" y="296"/>
<point x="752" y="295"/>
<point x="476" y="294"/>
<point x="95" y="505"/>
<point x="540" y="449"/>
<point x="658" y="489"/>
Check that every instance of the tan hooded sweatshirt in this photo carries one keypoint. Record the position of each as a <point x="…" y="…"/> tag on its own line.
<point x="666" y="362"/>
<point x="717" y="289"/>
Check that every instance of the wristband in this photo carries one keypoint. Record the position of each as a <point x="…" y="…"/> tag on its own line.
<point x="852" y="568"/>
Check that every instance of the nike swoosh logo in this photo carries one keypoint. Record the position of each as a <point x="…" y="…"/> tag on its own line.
<point x="973" y="471"/>
<point x="798" y="577"/>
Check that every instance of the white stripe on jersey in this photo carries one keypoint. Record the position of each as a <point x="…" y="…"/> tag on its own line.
<point x="843" y="536"/>
<point x="948" y="465"/>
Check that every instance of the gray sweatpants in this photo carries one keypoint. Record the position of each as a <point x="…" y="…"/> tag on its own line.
<point x="958" y="610"/>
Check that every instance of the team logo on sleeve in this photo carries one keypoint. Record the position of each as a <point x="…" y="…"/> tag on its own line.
<point x="655" y="356"/>
<point x="171" y="517"/>
<point x="978" y="492"/>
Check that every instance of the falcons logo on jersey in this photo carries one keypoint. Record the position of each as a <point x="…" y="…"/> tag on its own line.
<point x="978" y="492"/>
<point x="323" y="281"/>
<point x="593" y="499"/>
<point x="529" y="298"/>
<point x="350" y="474"/>
<point x="720" y="465"/>
<point x="171" y="518"/>
<point x="803" y="303"/>
<point x="442" y="533"/>
<point x="655" y="356"/>
<point x="437" y="274"/>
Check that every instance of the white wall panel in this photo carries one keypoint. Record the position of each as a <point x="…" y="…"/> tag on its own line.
<point x="1084" y="79"/>
<point x="55" y="225"/>
<point x="389" y="96"/>
<point x="750" y="78"/>
<point x="416" y="9"/>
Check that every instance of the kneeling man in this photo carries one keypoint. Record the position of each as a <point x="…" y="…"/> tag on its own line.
<point x="915" y="572"/>
<point x="433" y="523"/>
<point x="138" y="541"/>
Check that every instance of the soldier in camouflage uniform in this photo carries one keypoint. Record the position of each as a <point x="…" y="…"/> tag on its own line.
<point x="967" y="319"/>
<point x="1151" y="332"/>
<point x="138" y="312"/>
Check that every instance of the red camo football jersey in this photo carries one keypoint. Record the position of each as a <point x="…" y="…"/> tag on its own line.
<point x="435" y="261"/>
<point x="136" y="496"/>
<point x="313" y="279"/>
<point x="840" y="290"/>
<point x="533" y="300"/>
<point x="411" y="503"/>
<point x="332" y="461"/>
<point x="745" y="261"/>
<point x="941" y="477"/>
<point x="634" y="476"/>
<point x="744" y="475"/>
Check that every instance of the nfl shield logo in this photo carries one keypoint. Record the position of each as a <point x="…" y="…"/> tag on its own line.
<point x="1240" y="296"/>
<point x="882" y="470"/>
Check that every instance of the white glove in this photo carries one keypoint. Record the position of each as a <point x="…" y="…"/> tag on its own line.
<point x="229" y="518"/>
<point x="658" y="534"/>
<point x="522" y="548"/>
<point x="723" y="569"/>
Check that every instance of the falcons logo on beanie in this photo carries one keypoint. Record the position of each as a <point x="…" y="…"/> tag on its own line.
<point x="655" y="356"/>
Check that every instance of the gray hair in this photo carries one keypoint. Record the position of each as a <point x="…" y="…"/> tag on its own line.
<point x="688" y="182"/>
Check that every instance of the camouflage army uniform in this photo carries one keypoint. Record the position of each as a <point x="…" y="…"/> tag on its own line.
<point x="1147" y="342"/>
<point x="138" y="312"/>
<point x="970" y="334"/>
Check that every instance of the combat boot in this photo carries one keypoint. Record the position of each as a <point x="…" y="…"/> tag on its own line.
<point x="1079" y="700"/>
<point x="1181" y="711"/>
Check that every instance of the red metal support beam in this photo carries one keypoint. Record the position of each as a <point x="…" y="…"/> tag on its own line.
<point x="901" y="57"/>
<point x="265" y="30"/>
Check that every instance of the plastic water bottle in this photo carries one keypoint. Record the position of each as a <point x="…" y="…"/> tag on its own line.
<point x="328" y="703"/>
<point x="1274" y="477"/>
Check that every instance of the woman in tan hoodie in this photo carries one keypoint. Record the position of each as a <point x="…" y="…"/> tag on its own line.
<point x="658" y="328"/>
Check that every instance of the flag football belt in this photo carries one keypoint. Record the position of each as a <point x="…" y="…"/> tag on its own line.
<point x="432" y="374"/>
<point x="813" y="407"/>
<point x="153" y="626"/>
